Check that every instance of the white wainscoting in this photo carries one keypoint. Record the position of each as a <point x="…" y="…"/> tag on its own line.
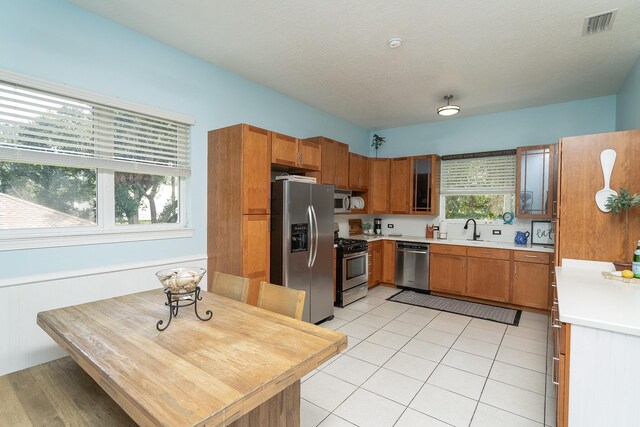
<point x="24" y="344"/>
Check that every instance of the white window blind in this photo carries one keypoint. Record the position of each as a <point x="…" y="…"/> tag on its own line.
<point x="484" y="175"/>
<point x="37" y="126"/>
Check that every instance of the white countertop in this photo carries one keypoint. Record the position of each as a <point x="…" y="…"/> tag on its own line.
<point x="586" y="298"/>
<point x="459" y="242"/>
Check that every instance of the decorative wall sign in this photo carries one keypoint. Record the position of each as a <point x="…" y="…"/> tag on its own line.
<point x="543" y="233"/>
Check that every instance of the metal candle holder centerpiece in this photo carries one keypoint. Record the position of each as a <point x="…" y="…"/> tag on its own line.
<point x="182" y="290"/>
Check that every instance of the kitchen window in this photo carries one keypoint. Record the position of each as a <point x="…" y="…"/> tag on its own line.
<point x="482" y="188"/>
<point x="81" y="168"/>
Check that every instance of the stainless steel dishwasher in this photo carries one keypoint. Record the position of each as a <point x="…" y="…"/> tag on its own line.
<point x="412" y="265"/>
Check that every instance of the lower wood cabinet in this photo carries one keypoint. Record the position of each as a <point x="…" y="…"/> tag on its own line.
<point x="510" y="276"/>
<point x="389" y="262"/>
<point x="488" y="278"/>
<point x="531" y="278"/>
<point x="375" y="263"/>
<point x="448" y="273"/>
<point x="255" y="252"/>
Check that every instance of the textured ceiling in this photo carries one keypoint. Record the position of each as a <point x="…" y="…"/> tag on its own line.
<point x="492" y="56"/>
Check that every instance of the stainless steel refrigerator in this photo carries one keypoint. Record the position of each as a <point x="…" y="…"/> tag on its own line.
<point x="302" y="244"/>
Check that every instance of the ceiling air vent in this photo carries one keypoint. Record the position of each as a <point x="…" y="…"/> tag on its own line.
<point x="598" y="23"/>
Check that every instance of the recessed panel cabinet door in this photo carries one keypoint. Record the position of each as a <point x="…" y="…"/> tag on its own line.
<point x="284" y="150"/>
<point x="488" y="278"/>
<point x="447" y="273"/>
<point x="256" y="171"/>
<point x="342" y="165"/>
<point x="399" y="186"/>
<point x="255" y="252"/>
<point x="389" y="261"/>
<point x="379" y="186"/>
<point x="310" y="155"/>
<point x="531" y="284"/>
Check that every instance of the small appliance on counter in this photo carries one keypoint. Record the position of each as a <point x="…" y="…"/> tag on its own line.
<point x="352" y="271"/>
<point x="377" y="226"/>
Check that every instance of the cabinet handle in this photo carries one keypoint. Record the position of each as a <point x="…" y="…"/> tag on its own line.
<point x="515" y="268"/>
<point x="531" y="256"/>
<point x="554" y="379"/>
<point x="487" y="252"/>
<point x="554" y="210"/>
<point x="302" y="158"/>
<point x="555" y="321"/>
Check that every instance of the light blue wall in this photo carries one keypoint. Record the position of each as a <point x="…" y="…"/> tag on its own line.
<point x="57" y="41"/>
<point x="628" y="102"/>
<point x="511" y="129"/>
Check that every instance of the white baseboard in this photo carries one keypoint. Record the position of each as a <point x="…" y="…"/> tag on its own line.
<point x="24" y="344"/>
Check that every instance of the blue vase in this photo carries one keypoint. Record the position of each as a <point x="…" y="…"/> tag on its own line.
<point x="521" y="237"/>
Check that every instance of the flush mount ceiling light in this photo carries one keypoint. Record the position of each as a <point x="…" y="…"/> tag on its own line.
<point x="394" y="42"/>
<point x="448" y="110"/>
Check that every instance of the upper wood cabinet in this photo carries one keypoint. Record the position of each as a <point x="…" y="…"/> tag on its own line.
<point x="425" y="189"/>
<point x="295" y="153"/>
<point x="399" y="177"/>
<point x="535" y="172"/>
<point x="379" y="186"/>
<point x="334" y="163"/>
<point x="358" y="172"/>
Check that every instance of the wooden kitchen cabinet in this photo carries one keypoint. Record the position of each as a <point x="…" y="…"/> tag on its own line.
<point x="375" y="263"/>
<point x="530" y="281"/>
<point x="448" y="273"/>
<point x="256" y="241"/>
<point x="358" y="172"/>
<point x="389" y="262"/>
<point x="334" y="162"/>
<point x="488" y="279"/>
<point x="448" y="269"/>
<point x="399" y="177"/>
<point x="342" y="165"/>
<point x="379" y="186"/>
<point x="424" y="185"/>
<point x="238" y="203"/>
<point x="535" y="178"/>
<point x="295" y="153"/>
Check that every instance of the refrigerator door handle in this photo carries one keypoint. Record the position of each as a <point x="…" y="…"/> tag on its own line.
<point x="310" y="215"/>
<point x="315" y="236"/>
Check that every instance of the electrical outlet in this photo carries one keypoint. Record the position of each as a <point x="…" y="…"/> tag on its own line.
<point x="436" y="228"/>
<point x="389" y="225"/>
<point x="497" y="232"/>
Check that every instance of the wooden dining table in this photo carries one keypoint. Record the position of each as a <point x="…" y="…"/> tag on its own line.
<point x="241" y="368"/>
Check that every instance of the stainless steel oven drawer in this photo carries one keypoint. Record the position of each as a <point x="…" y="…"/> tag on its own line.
<point x="354" y="294"/>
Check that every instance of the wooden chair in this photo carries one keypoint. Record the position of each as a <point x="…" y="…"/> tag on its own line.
<point x="282" y="300"/>
<point x="230" y="286"/>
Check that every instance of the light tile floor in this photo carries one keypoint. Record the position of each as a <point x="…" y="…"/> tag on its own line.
<point x="411" y="366"/>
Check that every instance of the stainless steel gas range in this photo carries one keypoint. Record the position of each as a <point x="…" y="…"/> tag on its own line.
<point x="352" y="271"/>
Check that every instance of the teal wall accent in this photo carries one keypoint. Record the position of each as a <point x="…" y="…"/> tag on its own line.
<point x="499" y="131"/>
<point x="60" y="42"/>
<point x="628" y="101"/>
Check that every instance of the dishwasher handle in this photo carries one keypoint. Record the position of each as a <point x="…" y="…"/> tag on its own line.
<point x="413" y="251"/>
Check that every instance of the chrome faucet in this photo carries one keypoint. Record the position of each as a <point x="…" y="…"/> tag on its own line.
<point x="466" y="225"/>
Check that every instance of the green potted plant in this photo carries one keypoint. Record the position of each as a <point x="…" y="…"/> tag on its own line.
<point x="367" y="228"/>
<point x="377" y="142"/>
<point x="623" y="202"/>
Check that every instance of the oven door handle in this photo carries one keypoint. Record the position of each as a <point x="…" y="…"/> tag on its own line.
<point x="354" y="255"/>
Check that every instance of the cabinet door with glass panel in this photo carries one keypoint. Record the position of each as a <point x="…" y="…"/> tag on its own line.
<point x="425" y="194"/>
<point x="535" y="181"/>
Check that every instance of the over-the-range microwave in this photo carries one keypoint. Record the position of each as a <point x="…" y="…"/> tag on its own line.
<point x="342" y="201"/>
